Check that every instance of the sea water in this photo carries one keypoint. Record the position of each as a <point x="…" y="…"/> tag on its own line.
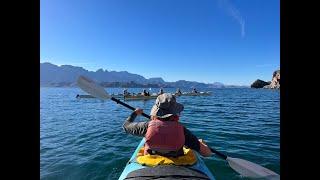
<point x="84" y="139"/>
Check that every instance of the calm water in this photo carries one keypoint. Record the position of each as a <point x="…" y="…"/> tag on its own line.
<point x="83" y="138"/>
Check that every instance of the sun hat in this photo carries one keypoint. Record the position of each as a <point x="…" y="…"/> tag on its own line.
<point x="166" y="106"/>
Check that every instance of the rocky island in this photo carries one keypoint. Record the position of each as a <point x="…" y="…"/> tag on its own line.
<point x="273" y="84"/>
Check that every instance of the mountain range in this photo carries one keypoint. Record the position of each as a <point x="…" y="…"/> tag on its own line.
<point x="66" y="75"/>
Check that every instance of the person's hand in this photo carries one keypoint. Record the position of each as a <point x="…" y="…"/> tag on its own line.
<point x="138" y="111"/>
<point x="204" y="149"/>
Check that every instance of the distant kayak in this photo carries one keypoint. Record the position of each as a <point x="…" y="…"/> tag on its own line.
<point x="90" y="96"/>
<point x="193" y="94"/>
<point x="140" y="97"/>
<point x="134" y="97"/>
<point x="84" y="96"/>
<point x="134" y="170"/>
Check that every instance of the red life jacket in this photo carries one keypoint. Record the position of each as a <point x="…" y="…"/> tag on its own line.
<point x="164" y="136"/>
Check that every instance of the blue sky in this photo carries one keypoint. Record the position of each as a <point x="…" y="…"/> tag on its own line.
<point x="233" y="42"/>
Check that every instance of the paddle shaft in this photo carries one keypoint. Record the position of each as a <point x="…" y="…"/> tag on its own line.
<point x="128" y="106"/>
<point x="223" y="156"/>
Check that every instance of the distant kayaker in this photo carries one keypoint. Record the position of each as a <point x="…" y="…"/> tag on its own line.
<point x="164" y="134"/>
<point x="125" y="92"/>
<point x="194" y="90"/>
<point x="77" y="96"/>
<point x="160" y="91"/>
<point x="145" y="93"/>
<point x="178" y="92"/>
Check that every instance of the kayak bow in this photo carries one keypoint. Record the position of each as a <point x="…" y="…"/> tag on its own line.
<point x="134" y="170"/>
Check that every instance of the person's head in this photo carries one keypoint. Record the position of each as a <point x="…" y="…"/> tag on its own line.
<point x="166" y="106"/>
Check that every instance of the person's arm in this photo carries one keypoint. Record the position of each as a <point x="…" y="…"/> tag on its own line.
<point x="192" y="142"/>
<point x="135" y="128"/>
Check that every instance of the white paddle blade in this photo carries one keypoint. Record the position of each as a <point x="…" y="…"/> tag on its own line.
<point x="249" y="169"/>
<point x="92" y="88"/>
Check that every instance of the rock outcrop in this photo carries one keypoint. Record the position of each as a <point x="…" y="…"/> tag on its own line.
<point x="259" y="84"/>
<point x="273" y="84"/>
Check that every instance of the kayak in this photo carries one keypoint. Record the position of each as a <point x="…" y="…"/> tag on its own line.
<point x="134" y="170"/>
<point x="140" y="97"/>
<point x="134" y="97"/>
<point x="84" y="96"/>
<point x="194" y="94"/>
<point x="90" y="96"/>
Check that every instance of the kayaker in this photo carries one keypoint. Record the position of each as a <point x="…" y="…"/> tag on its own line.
<point x="194" y="90"/>
<point x="125" y="92"/>
<point x="77" y="96"/>
<point x="178" y="91"/>
<point x="164" y="134"/>
<point x="160" y="91"/>
<point x="145" y="93"/>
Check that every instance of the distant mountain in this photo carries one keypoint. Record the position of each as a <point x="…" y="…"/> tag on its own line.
<point x="217" y="85"/>
<point x="66" y="75"/>
<point x="50" y="73"/>
<point x="157" y="80"/>
<point x="236" y="86"/>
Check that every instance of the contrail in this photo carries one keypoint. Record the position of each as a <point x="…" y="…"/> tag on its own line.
<point x="233" y="12"/>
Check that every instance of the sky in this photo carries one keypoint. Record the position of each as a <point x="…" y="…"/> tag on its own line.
<point x="230" y="41"/>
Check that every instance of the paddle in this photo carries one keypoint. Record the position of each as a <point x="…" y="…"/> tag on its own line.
<point x="247" y="168"/>
<point x="243" y="167"/>
<point x="97" y="91"/>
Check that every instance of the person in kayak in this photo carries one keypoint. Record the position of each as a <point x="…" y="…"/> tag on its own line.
<point x="125" y="92"/>
<point x="164" y="134"/>
<point x="160" y="91"/>
<point x="145" y="93"/>
<point x="178" y="92"/>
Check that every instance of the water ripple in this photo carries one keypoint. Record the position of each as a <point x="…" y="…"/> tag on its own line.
<point x="83" y="138"/>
